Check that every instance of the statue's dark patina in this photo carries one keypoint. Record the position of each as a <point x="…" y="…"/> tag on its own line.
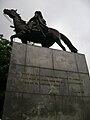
<point x="36" y="31"/>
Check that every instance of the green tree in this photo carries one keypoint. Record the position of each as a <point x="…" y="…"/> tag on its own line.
<point x="5" y="50"/>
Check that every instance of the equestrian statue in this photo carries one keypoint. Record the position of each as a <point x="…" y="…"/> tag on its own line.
<point x="36" y="30"/>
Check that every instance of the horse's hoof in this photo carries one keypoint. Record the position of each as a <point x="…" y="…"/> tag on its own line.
<point x="75" y="51"/>
<point x="64" y="49"/>
<point x="11" y="43"/>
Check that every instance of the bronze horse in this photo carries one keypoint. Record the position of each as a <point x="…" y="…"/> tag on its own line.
<point x="24" y="33"/>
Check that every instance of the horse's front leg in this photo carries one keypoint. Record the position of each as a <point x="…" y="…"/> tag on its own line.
<point x="17" y="35"/>
<point x="13" y="36"/>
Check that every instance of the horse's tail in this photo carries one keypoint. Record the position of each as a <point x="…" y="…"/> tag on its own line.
<point x="68" y="43"/>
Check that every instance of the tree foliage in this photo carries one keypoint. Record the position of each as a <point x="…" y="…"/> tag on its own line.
<point x="5" y="50"/>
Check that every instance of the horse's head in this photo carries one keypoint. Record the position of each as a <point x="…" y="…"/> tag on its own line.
<point x="11" y="13"/>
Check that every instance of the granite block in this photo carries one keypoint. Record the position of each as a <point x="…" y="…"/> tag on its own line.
<point x="23" y="79"/>
<point x="14" y="78"/>
<point x="38" y="107"/>
<point x="86" y="108"/>
<point x="49" y="84"/>
<point x="81" y="63"/>
<point x="86" y="84"/>
<point x="18" y="53"/>
<point x="75" y="89"/>
<point x="40" y="57"/>
<point x="64" y="61"/>
<point x="13" y="106"/>
<point x="71" y="109"/>
<point x="31" y="80"/>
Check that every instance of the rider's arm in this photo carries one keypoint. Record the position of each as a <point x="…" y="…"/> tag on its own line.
<point x="43" y="22"/>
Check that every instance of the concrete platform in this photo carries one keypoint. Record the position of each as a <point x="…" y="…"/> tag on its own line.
<point x="46" y="84"/>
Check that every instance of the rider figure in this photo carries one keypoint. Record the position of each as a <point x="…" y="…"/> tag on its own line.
<point x="37" y="23"/>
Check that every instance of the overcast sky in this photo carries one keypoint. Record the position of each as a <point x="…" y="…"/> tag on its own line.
<point x="70" y="17"/>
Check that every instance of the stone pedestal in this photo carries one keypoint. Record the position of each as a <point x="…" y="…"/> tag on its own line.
<point x="46" y="84"/>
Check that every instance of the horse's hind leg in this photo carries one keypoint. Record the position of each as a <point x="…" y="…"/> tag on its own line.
<point x="60" y="44"/>
<point x="68" y="43"/>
